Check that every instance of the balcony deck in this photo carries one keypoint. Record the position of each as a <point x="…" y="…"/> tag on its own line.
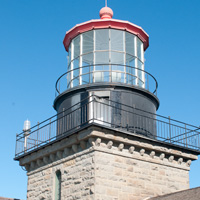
<point x="93" y="112"/>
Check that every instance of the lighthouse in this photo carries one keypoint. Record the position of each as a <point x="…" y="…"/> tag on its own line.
<point x="106" y="140"/>
<point x="106" y="66"/>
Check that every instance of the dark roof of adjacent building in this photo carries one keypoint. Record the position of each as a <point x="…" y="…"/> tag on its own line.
<point x="190" y="194"/>
<point x="3" y="198"/>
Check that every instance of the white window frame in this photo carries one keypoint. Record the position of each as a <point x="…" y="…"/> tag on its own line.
<point x="72" y="64"/>
<point x="81" y="59"/>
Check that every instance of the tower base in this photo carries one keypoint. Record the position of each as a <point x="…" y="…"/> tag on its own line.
<point x="102" y="164"/>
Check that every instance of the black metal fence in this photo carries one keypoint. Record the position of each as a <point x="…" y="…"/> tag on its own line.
<point x="110" y="114"/>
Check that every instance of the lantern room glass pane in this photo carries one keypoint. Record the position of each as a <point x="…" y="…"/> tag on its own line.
<point x="76" y="63"/>
<point x="102" y="57"/>
<point x="130" y="69"/>
<point x="77" y="46"/>
<point x="117" y="58"/>
<point x="116" y="38"/>
<point x="69" y="56"/>
<point x="99" y="68"/>
<point x="68" y="80"/>
<point x="130" y="60"/>
<point x="88" y="42"/>
<point x="98" y="76"/>
<point x="102" y="39"/>
<point x="139" y="49"/>
<point x="101" y="73"/>
<point x="140" y="74"/>
<point x="75" y="81"/>
<point x="87" y="59"/>
<point x="129" y="76"/>
<point x="85" y="78"/>
<point x="117" y="68"/>
<point x="130" y="43"/>
<point x="116" y="77"/>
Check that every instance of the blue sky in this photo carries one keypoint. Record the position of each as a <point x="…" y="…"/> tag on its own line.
<point x="32" y="57"/>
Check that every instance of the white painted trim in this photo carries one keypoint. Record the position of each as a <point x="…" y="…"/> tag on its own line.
<point x="109" y="56"/>
<point x="81" y="59"/>
<point x="136" y="65"/>
<point x="72" y="63"/>
<point x="94" y="54"/>
<point x="142" y="55"/>
<point x="124" y="50"/>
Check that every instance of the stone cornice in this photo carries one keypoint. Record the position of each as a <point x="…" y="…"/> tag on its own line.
<point x="113" y="142"/>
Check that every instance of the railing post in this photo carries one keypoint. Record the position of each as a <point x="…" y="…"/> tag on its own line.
<point x="127" y="127"/>
<point x="198" y="139"/>
<point x="16" y="146"/>
<point x="63" y="121"/>
<point x="93" y="107"/>
<point x="37" y="133"/>
<point x="170" y="129"/>
<point x="134" y="116"/>
<point x="110" y="73"/>
<point x="89" y="74"/>
<point x="186" y="135"/>
<point x="25" y="141"/>
<point x="49" y="130"/>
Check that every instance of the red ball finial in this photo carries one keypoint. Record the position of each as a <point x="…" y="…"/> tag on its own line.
<point x="106" y="13"/>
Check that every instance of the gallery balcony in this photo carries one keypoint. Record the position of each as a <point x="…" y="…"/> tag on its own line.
<point x="93" y="111"/>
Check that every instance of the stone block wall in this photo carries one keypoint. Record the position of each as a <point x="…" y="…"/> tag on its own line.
<point x="123" y="178"/>
<point x="77" y="179"/>
<point x="99" y="164"/>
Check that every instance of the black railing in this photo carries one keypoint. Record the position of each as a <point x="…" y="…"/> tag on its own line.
<point x="110" y="114"/>
<point x="106" y="73"/>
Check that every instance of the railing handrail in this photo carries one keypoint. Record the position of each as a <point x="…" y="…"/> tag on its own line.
<point x="56" y="115"/>
<point x="138" y="109"/>
<point x="178" y="138"/>
<point x="107" y="64"/>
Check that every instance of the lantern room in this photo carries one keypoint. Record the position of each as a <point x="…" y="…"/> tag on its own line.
<point x="106" y="50"/>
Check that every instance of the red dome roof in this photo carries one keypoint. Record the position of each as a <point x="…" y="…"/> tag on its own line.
<point x="106" y="21"/>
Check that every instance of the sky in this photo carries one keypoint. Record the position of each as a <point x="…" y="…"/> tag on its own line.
<point x="32" y="57"/>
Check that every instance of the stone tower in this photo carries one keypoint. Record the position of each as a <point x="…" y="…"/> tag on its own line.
<point x="106" y="141"/>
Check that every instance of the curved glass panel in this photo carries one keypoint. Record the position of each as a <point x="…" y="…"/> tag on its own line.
<point x="117" y="58"/>
<point x="130" y="43"/>
<point x="75" y="75"/>
<point x="140" y="74"/>
<point x="102" y="57"/>
<point x="76" y="47"/>
<point x="117" y="40"/>
<point x="139" y="48"/>
<point x="102" y="39"/>
<point x="69" y="56"/>
<point x="130" y="60"/>
<point x="106" y="55"/>
<point x="88" y="42"/>
<point x="87" y="59"/>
